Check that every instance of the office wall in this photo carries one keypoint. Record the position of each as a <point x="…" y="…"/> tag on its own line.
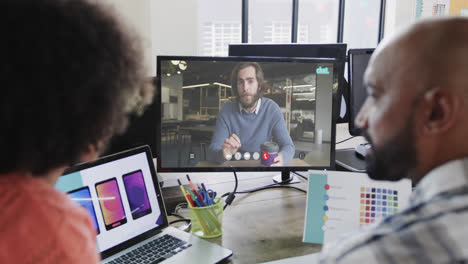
<point x="137" y="15"/>
<point x="177" y="20"/>
<point x="156" y="21"/>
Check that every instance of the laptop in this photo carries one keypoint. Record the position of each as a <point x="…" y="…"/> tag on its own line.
<point x="123" y="197"/>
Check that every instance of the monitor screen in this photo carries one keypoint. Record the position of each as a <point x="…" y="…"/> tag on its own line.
<point x="357" y="64"/>
<point x="251" y="113"/>
<point x="335" y="50"/>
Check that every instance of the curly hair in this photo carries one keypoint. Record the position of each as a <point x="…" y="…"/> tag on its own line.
<point x="70" y="72"/>
<point x="258" y="72"/>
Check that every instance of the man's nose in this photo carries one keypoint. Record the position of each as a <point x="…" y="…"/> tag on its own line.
<point x="362" y="121"/>
<point x="245" y="86"/>
<point x="241" y="85"/>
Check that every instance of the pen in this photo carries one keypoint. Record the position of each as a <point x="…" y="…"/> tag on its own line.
<point x="200" y="198"/>
<point x="203" y="186"/>
<point x="181" y="187"/>
<point x="186" y="195"/>
<point x="198" y="202"/>
<point x="189" y="200"/>
<point x="194" y="197"/>
<point x="191" y="184"/>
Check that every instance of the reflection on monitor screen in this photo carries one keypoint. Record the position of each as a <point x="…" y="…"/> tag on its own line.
<point x="245" y="112"/>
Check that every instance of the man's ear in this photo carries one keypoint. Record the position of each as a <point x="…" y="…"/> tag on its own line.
<point x="441" y="108"/>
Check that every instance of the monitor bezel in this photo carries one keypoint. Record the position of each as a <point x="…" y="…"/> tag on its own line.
<point x="353" y="130"/>
<point x="282" y="169"/>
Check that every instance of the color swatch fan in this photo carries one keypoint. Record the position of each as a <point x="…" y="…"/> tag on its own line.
<point x="342" y="202"/>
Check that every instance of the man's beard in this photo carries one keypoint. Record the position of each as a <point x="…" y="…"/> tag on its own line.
<point x="394" y="159"/>
<point x="255" y="98"/>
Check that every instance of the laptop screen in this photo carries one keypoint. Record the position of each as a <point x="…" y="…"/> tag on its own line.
<point x="119" y="194"/>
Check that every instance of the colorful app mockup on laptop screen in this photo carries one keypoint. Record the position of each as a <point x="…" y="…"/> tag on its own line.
<point x="121" y="197"/>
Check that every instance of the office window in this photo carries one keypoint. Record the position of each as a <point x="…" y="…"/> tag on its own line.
<point x="361" y="16"/>
<point x="196" y="27"/>
<point x="302" y="33"/>
<point x="270" y="21"/>
<point x="218" y="36"/>
<point x="219" y="24"/>
<point x="318" y="21"/>
<point x="277" y="32"/>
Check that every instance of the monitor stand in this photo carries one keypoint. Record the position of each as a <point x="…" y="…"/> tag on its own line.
<point x="286" y="177"/>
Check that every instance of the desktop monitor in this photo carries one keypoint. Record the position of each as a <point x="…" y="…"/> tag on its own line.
<point x="200" y="109"/>
<point x="357" y="64"/>
<point x="335" y="50"/>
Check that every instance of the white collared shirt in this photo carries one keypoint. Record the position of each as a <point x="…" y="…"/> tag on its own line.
<point x="259" y="102"/>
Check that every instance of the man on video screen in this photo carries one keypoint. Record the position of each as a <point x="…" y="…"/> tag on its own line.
<point x="246" y="123"/>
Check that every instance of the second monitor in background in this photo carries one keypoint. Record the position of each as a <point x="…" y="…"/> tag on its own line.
<point x="357" y="64"/>
<point x="353" y="159"/>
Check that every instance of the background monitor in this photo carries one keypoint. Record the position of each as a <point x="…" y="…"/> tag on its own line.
<point x="357" y="64"/>
<point x="193" y="90"/>
<point x="336" y="51"/>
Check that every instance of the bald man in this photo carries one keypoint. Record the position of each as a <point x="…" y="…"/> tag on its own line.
<point x="416" y="117"/>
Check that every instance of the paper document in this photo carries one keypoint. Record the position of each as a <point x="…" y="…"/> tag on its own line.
<point x="341" y="202"/>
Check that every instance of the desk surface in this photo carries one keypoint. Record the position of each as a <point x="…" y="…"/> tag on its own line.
<point x="261" y="226"/>
<point x="345" y="155"/>
<point x="266" y="225"/>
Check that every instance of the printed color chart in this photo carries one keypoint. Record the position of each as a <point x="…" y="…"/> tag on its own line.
<point x="377" y="203"/>
<point x="341" y="202"/>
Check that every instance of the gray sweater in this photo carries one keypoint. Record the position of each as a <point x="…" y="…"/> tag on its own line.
<point x="252" y="129"/>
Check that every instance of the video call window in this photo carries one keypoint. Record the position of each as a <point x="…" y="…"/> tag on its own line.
<point x="203" y="104"/>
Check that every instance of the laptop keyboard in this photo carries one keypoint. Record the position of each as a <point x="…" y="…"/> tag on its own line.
<point x="155" y="251"/>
